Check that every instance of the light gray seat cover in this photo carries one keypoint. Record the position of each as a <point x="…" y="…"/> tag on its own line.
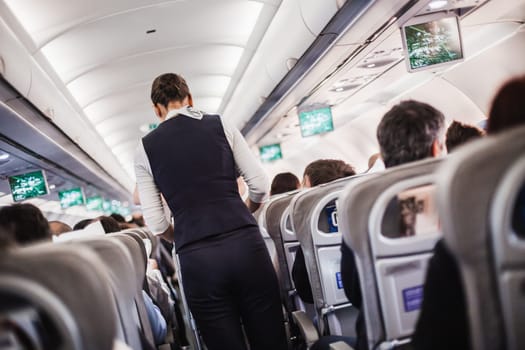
<point x="135" y="246"/>
<point x="270" y="219"/>
<point x="478" y="187"/>
<point x="123" y="282"/>
<point x="71" y="284"/>
<point x="322" y="255"/>
<point x="391" y="271"/>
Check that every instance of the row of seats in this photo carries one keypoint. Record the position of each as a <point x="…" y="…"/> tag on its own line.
<point x="473" y="193"/>
<point x="82" y="293"/>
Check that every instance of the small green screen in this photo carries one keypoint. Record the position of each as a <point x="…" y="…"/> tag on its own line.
<point x="29" y="185"/>
<point x="71" y="197"/>
<point x="433" y="42"/>
<point x="317" y="121"/>
<point x="270" y="153"/>
<point x="94" y="203"/>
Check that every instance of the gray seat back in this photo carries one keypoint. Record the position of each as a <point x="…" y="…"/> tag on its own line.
<point x="67" y="283"/>
<point x="135" y="247"/>
<point x="311" y="212"/>
<point x="391" y="269"/>
<point x="123" y="282"/>
<point x="478" y="188"/>
<point x="270" y="221"/>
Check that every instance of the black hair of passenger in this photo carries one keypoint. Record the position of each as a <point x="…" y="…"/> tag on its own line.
<point x="25" y="223"/>
<point x="284" y="182"/>
<point x="460" y="133"/>
<point x="82" y="224"/>
<point x="326" y="170"/>
<point x="508" y="106"/>
<point x="119" y="218"/>
<point x="109" y="224"/>
<point x="407" y="131"/>
<point x="169" y="87"/>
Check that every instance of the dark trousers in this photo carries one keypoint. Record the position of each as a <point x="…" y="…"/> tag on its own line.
<point x="229" y="279"/>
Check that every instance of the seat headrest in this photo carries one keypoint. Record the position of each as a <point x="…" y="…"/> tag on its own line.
<point x="71" y="275"/>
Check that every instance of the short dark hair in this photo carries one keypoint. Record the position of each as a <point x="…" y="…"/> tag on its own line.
<point x="82" y="224"/>
<point x="25" y="223"/>
<point x="284" y="182"/>
<point x="325" y="170"/>
<point x="508" y="106"/>
<point x="407" y="131"/>
<point x="459" y="133"/>
<point x="169" y="87"/>
<point x="109" y="224"/>
<point x="119" y="218"/>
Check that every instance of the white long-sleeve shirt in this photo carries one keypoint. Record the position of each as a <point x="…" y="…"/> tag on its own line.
<point x="247" y="165"/>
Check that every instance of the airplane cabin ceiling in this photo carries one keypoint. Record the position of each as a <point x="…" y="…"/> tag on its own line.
<point x="103" y="55"/>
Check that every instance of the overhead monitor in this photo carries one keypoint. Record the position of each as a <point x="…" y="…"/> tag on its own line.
<point x="269" y="153"/>
<point x="94" y="203"/>
<point x="432" y="41"/>
<point x="316" y="121"/>
<point x="28" y="185"/>
<point x="72" y="197"/>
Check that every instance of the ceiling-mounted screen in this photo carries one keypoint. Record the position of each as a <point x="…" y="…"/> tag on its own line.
<point x="72" y="197"/>
<point x="316" y="121"/>
<point x="269" y="153"/>
<point x="29" y="185"/>
<point x="94" y="203"/>
<point x="432" y="41"/>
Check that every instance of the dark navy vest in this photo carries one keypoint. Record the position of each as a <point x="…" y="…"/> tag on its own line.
<point x="193" y="166"/>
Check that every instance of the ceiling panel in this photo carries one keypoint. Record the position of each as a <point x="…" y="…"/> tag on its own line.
<point x="112" y="38"/>
<point x="100" y="53"/>
<point x="196" y="63"/>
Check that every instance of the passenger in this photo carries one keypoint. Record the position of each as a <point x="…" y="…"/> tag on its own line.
<point x="82" y="224"/>
<point x="325" y="170"/>
<point x="59" y="227"/>
<point x="24" y="224"/>
<point x="316" y="173"/>
<point x="284" y="182"/>
<point x="443" y="321"/>
<point x="459" y="133"/>
<point x="408" y="132"/>
<point x="109" y="224"/>
<point x="157" y="321"/>
<point x="192" y="159"/>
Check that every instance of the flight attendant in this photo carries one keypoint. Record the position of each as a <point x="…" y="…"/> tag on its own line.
<point x="193" y="159"/>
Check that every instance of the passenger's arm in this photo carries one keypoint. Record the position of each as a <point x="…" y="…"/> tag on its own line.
<point x="150" y="199"/>
<point x="249" y="167"/>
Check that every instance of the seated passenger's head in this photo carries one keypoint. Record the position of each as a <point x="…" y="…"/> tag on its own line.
<point x="411" y="131"/>
<point x="508" y="107"/>
<point x="82" y="224"/>
<point x="109" y="224"/>
<point x="169" y="91"/>
<point x="459" y="133"/>
<point x="284" y="182"/>
<point x="325" y="170"/>
<point x="24" y="224"/>
<point x="59" y="227"/>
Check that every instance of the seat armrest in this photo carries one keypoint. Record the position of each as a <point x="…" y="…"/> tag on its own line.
<point x="306" y="326"/>
<point x="340" y="346"/>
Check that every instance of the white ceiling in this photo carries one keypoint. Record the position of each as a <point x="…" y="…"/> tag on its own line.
<point x="98" y="53"/>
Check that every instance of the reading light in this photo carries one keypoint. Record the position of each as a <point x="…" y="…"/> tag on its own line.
<point x="437" y="4"/>
<point x="371" y="65"/>
<point x="4" y="156"/>
<point x="339" y="89"/>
